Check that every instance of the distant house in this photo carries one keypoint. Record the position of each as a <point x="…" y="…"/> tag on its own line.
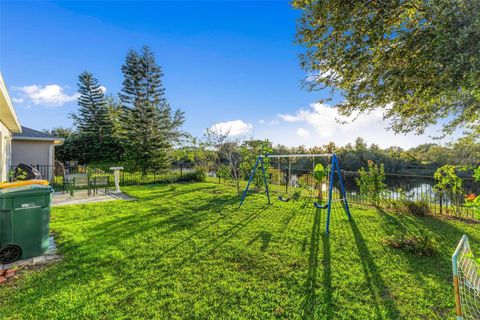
<point x="8" y="125"/>
<point x="35" y="148"/>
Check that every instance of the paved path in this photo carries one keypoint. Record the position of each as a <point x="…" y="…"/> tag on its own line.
<point x="81" y="196"/>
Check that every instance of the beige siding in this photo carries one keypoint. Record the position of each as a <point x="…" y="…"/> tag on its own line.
<point x="31" y="152"/>
<point x="5" y="138"/>
<point x="34" y="153"/>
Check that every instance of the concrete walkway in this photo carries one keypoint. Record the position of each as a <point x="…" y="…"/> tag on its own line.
<point x="81" y="197"/>
<point x="50" y="256"/>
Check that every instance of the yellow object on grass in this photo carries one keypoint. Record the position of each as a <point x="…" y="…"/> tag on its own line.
<point x="4" y="185"/>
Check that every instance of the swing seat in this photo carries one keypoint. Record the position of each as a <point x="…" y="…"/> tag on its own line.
<point x="283" y="199"/>
<point x="319" y="206"/>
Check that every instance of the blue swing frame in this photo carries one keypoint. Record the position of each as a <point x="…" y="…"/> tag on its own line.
<point x="335" y="166"/>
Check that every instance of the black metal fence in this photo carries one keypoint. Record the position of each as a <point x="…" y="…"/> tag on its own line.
<point x="130" y="175"/>
<point x="399" y="187"/>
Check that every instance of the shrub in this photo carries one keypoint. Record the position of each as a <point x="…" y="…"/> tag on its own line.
<point x="199" y="175"/>
<point x="420" y="245"/>
<point x="371" y="182"/>
<point x="405" y="205"/>
<point x="447" y="179"/>
<point x="417" y="208"/>
<point x="476" y="174"/>
<point x="275" y="175"/>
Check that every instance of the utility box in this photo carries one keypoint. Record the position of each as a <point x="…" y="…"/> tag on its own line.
<point x="24" y="222"/>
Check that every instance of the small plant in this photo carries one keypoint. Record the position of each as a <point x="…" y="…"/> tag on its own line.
<point x="408" y="206"/>
<point x="296" y="194"/>
<point x="372" y="182"/>
<point x="447" y="180"/>
<point x="419" y="245"/>
<point x="417" y="208"/>
<point x="476" y="174"/>
<point x="275" y="176"/>
<point x="319" y="174"/>
<point x="472" y="201"/>
<point x="20" y="174"/>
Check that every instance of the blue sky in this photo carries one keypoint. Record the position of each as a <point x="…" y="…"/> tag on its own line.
<point x="230" y="64"/>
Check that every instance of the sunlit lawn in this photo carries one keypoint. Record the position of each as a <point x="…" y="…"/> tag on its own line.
<point x="186" y="252"/>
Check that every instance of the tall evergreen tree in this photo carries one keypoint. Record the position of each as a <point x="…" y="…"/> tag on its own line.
<point x="149" y="129"/>
<point x="93" y="122"/>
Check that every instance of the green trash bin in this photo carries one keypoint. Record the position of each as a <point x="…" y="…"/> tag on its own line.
<point x="24" y="222"/>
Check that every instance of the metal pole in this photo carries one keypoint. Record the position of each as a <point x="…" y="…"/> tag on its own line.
<point x="342" y="187"/>
<point x="330" y="188"/>
<point x="298" y="155"/>
<point x="249" y="181"/>
<point x="265" y="180"/>
<point x="289" y="174"/>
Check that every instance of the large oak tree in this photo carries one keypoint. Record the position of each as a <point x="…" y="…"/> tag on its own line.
<point x="418" y="60"/>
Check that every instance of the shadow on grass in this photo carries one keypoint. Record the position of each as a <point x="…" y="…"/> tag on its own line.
<point x="311" y="299"/>
<point x="190" y="216"/>
<point x="378" y="290"/>
<point x="225" y="236"/>
<point x="265" y="237"/>
<point x="175" y="190"/>
<point x="295" y="207"/>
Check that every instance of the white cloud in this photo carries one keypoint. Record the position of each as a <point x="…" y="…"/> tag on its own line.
<point x="104" y="89"/>
<point x="288" y="117"/>
<point x="233" y="128"/>
<point x="261" y="121"/>
<point x="17" y="100"/>
<point x="302" y="133"/>
<point x="319" y="126"/>
<point x="50" y="95"/>
<point x="323" y="119"/>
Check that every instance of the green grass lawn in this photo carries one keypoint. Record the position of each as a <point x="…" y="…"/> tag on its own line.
<point x="186" y="252"/>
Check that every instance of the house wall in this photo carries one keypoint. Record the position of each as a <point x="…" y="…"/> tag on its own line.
<point x="31" y="152"/>
<point x="5" y="155"/>
<point x="34" y="153"/>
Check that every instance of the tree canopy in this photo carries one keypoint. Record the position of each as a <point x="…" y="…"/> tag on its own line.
<point x="417" y="60"/>
<point x="94" y="138"/>
<point x="148" y="127"/>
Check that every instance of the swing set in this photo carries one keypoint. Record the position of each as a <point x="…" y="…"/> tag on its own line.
<point x="334" y="167"/>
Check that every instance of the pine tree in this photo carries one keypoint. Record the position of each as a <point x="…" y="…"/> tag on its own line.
<point x="149" y="130"/>
<point x="93" y="122"/>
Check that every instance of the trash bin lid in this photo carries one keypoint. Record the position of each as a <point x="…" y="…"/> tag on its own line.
<point x="25" y="190"/>
<point x="22" y="183"/>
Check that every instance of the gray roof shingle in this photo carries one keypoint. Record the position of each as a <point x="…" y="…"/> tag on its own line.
<point x="35" y="134"/>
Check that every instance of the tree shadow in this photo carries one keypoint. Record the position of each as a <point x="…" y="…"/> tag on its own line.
<point x="374" y="280"/>
<point x="173" y="191"/>
<point x="225" y="236"/>
<point x="292" y="213"/>
<point x="191" y="218"/>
